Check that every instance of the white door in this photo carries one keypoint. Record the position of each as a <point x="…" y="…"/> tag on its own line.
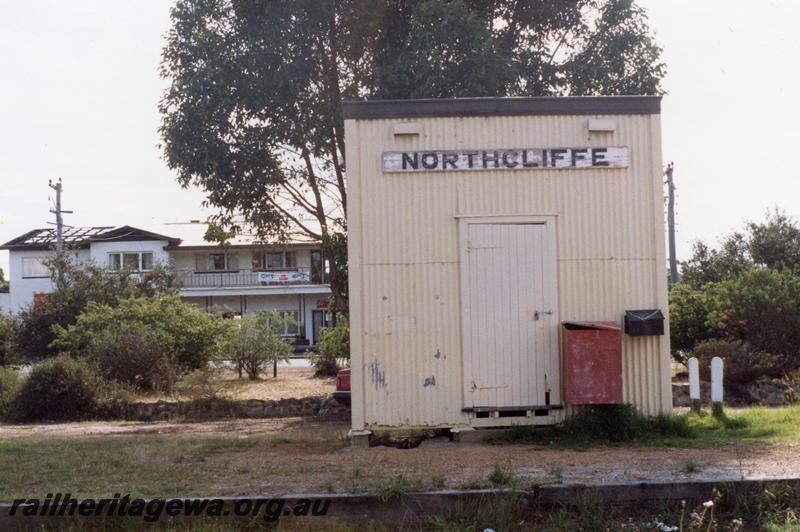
<point x="509" y="315"/>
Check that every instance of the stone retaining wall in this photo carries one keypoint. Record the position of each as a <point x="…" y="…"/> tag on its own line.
<point x="767" y="392"/>
<point x="206" y="409"/>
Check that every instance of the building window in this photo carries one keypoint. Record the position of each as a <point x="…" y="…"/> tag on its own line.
<point x="216" y="262"/>
<point x="274" y="260"/>
<point x="34" y="267"/>
<point x="290" y="325"/>
<point x="147" y="261"/>
<point x="130" y="261"/>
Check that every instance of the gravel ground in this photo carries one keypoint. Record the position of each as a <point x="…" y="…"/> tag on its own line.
<point x="309" y="456"/>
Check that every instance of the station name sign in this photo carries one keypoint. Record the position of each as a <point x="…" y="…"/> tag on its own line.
<point x="506" y="159"/>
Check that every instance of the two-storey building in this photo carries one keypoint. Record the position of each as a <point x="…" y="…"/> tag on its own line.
<point x="239" y="278"/>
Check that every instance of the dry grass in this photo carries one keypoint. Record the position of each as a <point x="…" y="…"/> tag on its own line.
<point x="290" y="383"/>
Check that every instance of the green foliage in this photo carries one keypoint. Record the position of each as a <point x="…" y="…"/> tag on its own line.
<point x="9" y="385"/>
<point x="3" y="282"/>
<point x="9" y="336"/>
<point x="188" y="337"/>
<point x="256" y="341"/>
<point x="334" y="343"/>
<point x="500" y="476"/>
<point x="691" y="466"/>
<point x="447" y="50"/>
<point x="252" y="114"/>
<point x="743" y="364"/>
<point x="747" y="291"/>
<point x="75" y="287"/>
<point x="620" y="423"/>
<point x="397" y="486"/>
<point x="761" y="307"/>
<point x="689" y="310"/>
<point x="708" y="265"/>
<point x="773" y="244"/>
<point x="603" y="425"/>
<point x="58" y="389"/>
<point x="133" y="354"/>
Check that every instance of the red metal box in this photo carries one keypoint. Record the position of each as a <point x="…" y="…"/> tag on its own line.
<point x="592" y="362"/>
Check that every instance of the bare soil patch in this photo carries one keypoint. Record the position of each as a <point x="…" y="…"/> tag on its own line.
<point x="291" y="383"/>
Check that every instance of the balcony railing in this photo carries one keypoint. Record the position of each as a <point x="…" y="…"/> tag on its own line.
<point x="225" y="279"/>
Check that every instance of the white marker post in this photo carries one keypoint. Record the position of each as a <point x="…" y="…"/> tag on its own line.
<point x="694" y="384"/>
<point x="716" y="386"/>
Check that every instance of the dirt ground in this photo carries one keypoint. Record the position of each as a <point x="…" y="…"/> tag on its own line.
<point x="305" y="456"/>
<point x="292" y="382"/>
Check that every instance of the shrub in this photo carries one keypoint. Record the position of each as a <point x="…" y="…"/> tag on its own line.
<point x="134" y="355"/>
<point x="9" y="334"/>
<point x="9" y="385"/>
<point x="689" y="310"/>
<point x="75" y="286"/>
<point x="58" y="389"/>
<point x="189" y="336"/>
<point x="334" y="344"/>
<point x="761" y="307"/>
<point x="620" y="423"/>
<point x="743" y="364"/>
<point x="256" y="342"/>
<point x="203" y="384"/>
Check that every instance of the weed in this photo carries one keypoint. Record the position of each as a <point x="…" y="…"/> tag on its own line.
<point x="355" y="481"/>
<point x="506" y="512"/>
<point x="474" y="484"/>
<point x="328" y="486"/>
<point x="557" y="473"/>
<point x="691" y="466"/>
<point x="397" y="486"/>
<point x="500" y="476"/>
<point x="437" y="481"/>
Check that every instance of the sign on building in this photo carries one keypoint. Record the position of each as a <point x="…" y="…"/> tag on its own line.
<point x="505" y="159"/>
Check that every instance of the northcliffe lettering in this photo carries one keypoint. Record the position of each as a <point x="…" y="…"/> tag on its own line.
<point x="506" y="159"/>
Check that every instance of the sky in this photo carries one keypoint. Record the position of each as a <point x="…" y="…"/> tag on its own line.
<point x="79" y="89"/>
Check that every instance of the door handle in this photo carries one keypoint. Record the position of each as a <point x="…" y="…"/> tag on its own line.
<point x="538" y="313"/>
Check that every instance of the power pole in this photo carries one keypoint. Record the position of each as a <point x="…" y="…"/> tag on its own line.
<point x="57" y="186"/>
<point x="673" y="260"/>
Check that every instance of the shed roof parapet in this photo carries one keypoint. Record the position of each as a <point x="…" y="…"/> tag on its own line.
<point x="509" y="106"/>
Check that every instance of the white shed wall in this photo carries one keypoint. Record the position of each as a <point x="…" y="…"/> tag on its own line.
<point x="404" y="253"/>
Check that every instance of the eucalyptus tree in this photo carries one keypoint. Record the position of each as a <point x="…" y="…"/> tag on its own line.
<point x="252" y="114"/>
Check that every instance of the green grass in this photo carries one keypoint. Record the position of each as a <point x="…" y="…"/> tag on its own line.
<point x="149" y="466"/>
<point x="622" y="427"/>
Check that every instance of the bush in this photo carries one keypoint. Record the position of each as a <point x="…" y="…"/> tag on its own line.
<point x="203" y="384"/>
<point x="9" y="385"/>
<point x="9" y="334"/>
<point x="75" y="287"/>
<point x="741" y="362"/>
<point x="134" y="355"/>
<point x="255" y="342"/>
<point x="188" y="336"/>
<point x="761" y="307"/>
<point x="689" y="310"/>
<point x="334" y="344"/>
<point x="58" y="389"/>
